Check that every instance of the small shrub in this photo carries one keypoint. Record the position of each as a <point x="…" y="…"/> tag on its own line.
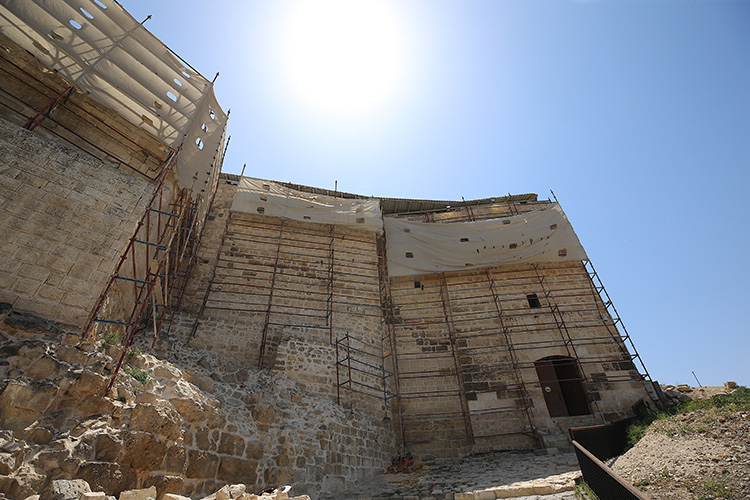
<point x="739" y="399"/>
<point x="140" y="375"/>
<point x="636" y="432"/>
<point x="110" y="337"/>
<point x="133" y="353"/>
<point x="584" y="492"/>
<point x="713" y="489"/>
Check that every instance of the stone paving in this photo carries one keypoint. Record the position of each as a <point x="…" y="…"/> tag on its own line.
<point x="519" y="475"/>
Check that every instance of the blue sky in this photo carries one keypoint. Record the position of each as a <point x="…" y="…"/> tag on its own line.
<point x="636" y="114"/>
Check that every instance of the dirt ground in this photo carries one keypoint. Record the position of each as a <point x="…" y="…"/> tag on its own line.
<point x="698" y="455"/>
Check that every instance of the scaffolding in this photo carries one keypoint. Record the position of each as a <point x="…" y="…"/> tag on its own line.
<point x="361" y="371"/>
<point x="35" y="100"/>
<point x="156" y="263"/>
<point x="285" y="278"/>
<point x="482" y="319"/>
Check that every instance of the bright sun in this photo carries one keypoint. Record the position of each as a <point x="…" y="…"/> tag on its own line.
<point x="343" y="55"/>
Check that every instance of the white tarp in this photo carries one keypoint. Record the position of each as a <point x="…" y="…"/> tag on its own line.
<point x="258" y="196"/>
<point x="99" y="47"/>
<point x="422" y="247"/>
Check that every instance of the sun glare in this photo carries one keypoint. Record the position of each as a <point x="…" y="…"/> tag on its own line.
<point x="343" y="55"/>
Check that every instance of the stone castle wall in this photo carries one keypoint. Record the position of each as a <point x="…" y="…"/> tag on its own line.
<point x="66" y="217"/>
<point x="460" y="382"/>
<point x="302" y="286"/>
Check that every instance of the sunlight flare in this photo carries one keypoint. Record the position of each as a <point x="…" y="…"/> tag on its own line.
<point x="343" y="56"/>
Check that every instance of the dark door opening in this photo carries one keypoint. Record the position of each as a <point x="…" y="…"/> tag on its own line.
<point x="562" y="386"/>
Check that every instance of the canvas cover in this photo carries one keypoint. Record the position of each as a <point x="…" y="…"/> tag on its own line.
<point x="99" y="47"/>
<point x="544" y="235"/>
<point x="258" y="196"/>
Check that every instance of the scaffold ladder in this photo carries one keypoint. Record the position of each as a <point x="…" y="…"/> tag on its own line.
<point x="507" y="336"/>
<point x="609" y="311"/>
<point x="329" y="285"/>
<point x="211" y="280"/>
<point x="267" y="320"/>
<point x="448" y="316"/>
<point x="387" y="307"/>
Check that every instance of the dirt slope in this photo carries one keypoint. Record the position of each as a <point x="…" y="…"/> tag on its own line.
<point x="700" y="455"/>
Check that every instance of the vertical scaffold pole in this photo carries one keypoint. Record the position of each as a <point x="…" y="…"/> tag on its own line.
<point x="445" y="300"/>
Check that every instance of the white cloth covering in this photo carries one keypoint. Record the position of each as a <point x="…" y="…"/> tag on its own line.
<point x="99" y="47"/>
<point x="258" y="196"/>
<point x="422" y="247"/>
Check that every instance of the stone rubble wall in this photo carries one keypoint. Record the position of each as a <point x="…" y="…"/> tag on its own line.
<point x="65" y="218"/>
<point x="187" y="430"/>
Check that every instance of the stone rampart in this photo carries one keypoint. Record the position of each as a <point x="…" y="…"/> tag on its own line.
<point x="66" y="217"/>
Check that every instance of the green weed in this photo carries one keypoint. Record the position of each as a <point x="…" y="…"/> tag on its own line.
<point x="133" y="353"/>
<point x="584" y="492"/>
<point x="739" y="399"/>
<point x="713" y="489"/>
<point x="140" y="375"/>
<point x="110" y="337"/>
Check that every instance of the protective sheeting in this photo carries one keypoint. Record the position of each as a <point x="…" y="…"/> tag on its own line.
<point x="257" y="196"/>
<point x="535" y="237"/>
<point x="99" y="47"/>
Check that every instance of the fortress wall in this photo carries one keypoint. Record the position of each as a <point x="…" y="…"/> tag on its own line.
<point x="495" y="406"/>
<point x="66" y="217"/>
<point x="287" y="264"/>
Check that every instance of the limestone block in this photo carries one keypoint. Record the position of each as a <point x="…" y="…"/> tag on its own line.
<point x="65" y="489"/>
<point x="10" y="461"/>
<point x="167" y="371"/>
<point x="202" y="464"/>
<point x="463" y="496"/>
<point x="172" y="496"/>
<point x="106" y="476"/>
<point x="156" y="419"/>
<point x="44" y="367"/>
<point x="94" y="495"/>
<point x="164" y="484"/>
<point x="237" y="469"/>
<point x="205" y="384"/>
<point x="223" y="493"/>
<point x="193" y="405"/>
<point x="89" y="383"/>
<point x="21" y="403"/>
<point x="26" y="482"/>
<point x="485" y="495"/>
<point x="141" y="494"/>
<point x="107" y="447"/>
<point x="231" y="444"/>
<point x="50" y="459"/>
<point x="254" y="450"/>
<point x="71" y="354"/>
<point x="263" y="415"/>
<point x="236" y="490"/>
<point x="143" y="451"/>
<point x="175" y="458"/>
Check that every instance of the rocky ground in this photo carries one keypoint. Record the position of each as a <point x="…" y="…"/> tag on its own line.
<point x="699" y="455"/>
<point x="485" y="477"/>
<point x="187" y="426"/>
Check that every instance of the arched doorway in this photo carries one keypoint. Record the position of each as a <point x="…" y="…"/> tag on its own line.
<point x="562" y="386"/>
